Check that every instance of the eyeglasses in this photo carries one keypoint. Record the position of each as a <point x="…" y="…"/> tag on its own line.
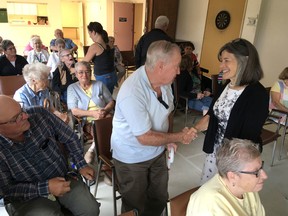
<point x="18" y="118"/>
<point x="66" y="55"/>
<point x="256" y="173"/>
<point x="82" y="72"/>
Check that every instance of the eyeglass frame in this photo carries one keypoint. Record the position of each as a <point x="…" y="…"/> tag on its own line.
<point x="81" y="73"/>
<point x="256" y="173"/>
<point x="18" y="118"/>
<point x="67" y="55"/>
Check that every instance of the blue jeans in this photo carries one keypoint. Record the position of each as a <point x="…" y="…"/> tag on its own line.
<point x="199" y="104"/>
<point x="109" y="79"/>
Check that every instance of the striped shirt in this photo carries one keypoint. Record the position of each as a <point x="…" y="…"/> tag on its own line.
<point x="26" y="167"/>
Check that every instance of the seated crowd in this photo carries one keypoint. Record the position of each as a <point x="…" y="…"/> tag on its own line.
<point x="33" y="177"/>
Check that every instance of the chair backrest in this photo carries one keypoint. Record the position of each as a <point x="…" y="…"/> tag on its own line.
<point x="215" y="84"/>
<point x="128" y="58"/>
<point x="102" y="129"/>
<point x="9" y="84"/>
<point x="178" y="204"/>
<point x="85" y="49"/>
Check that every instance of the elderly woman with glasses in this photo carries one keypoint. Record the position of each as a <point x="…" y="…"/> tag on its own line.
<point x="241" y="108"/>
<point x="64" y="75"/>
<point x="234" y="190"/>
<point x="35" y="91"/>
<point x="89" y="99"/>
<point x="11" y="63"/>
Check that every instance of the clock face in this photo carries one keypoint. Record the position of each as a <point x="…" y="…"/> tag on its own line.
<point x="222" y="20"/>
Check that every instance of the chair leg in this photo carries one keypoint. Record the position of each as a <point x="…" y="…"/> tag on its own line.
<point x="99" y="167"/>
<point x="114" y="193"/>
<point x="273" y="152"/>
<point x="282" y="143"/>
<point x="186" y="114"/>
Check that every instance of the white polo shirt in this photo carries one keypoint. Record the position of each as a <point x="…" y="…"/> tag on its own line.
<point x="137" y="111"/>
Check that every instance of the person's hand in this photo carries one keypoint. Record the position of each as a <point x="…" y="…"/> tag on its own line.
<point x="99" y="114"/>
<point x="87" y="172"/>
<point x="188" y="135"/>
<point x="58" y="186"/>
<point x="172" y="145"/>
<point x="206" y="93"/>
<point x="200" y="95"/>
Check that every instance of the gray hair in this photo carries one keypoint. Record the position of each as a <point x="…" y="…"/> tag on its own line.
<point x="59" y="41"/>
<point x="160" y="50"/>
<point x="162" y="22"/>
<point x="35" y="71"/>
<point x="234" y="154"/>
<point x="6" y="43"/>
<point x="35" y="39"/>
<point x="83" y="63"/>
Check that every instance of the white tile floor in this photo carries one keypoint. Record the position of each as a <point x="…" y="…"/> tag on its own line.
<point x="186" y="170"/>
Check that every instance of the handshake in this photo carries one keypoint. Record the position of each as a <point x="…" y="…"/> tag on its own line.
<point x="188" y="135"/>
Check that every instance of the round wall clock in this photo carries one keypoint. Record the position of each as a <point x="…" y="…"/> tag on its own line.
<point x="222" y="20"/>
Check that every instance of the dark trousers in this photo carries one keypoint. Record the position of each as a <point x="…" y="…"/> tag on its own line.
<point x="79" y="201"/>
<point x="143" y="186"/>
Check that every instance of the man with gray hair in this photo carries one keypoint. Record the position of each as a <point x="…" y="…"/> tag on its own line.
<point x="141" y="131"/>
<point x="158" y="33"/>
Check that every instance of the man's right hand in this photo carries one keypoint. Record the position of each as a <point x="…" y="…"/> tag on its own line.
<point x="188" y="135"/>
<point x="58" y="186"/>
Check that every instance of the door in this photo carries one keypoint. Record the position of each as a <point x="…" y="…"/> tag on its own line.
<point x="123" y="25"/>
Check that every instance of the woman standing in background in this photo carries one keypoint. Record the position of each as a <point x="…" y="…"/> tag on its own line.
<point x="101" y="55"/>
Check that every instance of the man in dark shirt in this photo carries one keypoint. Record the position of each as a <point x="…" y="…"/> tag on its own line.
<point x="11" y="63"/>
<point x="34" y="175"/>
<point x="158" y="33"/>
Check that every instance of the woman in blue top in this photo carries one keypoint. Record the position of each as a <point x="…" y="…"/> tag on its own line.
<point x="90" y="100"/>
<point x="36" y="91"/>
<point x="101" y="55"/>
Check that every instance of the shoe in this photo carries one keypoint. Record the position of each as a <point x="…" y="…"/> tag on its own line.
<point x="89" y="157"/>
<point x="107" y="180"/>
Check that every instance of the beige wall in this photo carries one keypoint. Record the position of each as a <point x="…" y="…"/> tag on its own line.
<point x="20" y="35"/>
<point x="271" y="32"/>
<point x="214" y="38"/>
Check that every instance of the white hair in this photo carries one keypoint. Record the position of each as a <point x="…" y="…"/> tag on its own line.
<point x="162" y="22"/>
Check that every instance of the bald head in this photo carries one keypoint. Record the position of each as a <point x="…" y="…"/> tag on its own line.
<point x="9" y="107"/>
<point x="13" y="121"/>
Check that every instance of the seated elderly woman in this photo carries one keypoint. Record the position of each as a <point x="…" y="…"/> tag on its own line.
<point x="279" y="92"/>
<point x="35" y="91"/>
<point x="64" y="75"/>
<point x="38" y="54"/>
<point x="234" y="190"/>
<point x="89" y="99"/>
<point x="11" y="63"/>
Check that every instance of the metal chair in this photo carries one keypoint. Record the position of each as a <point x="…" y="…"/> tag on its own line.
<point x="269" y="136"/>
<point x="283" y="125"/>
<point x="178" y="106"/>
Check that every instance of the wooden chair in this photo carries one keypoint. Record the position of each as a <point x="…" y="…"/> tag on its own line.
<point x="102" y="129"/>
<point x="129" y="62"/>
<point x="178" y="204"/>
<point x="9" y="84"/>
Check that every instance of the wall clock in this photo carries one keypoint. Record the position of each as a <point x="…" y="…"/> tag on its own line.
<point x="222" y="20"/>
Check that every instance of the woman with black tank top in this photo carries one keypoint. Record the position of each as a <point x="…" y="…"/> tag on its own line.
<point x="101" y="55"/>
